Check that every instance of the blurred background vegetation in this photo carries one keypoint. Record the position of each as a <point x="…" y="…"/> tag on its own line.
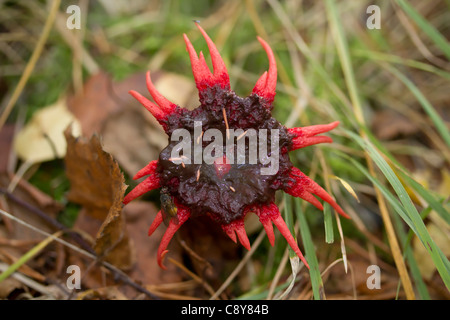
<point x="388" y="166"/>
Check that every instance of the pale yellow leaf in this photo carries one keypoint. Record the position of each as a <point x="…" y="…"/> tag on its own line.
<point x="42" y="139"/>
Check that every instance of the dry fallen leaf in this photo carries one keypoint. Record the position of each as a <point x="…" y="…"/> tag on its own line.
<point x="42" y="139"/>
<point x="98" y="185"/>
<point x="112" y="239"/>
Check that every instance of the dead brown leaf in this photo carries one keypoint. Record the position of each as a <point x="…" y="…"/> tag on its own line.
<point x="98" y="185"/>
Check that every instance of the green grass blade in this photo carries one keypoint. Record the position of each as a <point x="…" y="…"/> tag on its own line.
<point x="395" y="203"/>
<point x="438" y="39"/>
<point x="416" y="275"/>
<point x="428" y="196"/>
<point x="310" y="252"/>
<point x="328" y="223"/>
<point x="27" y="256"/>
<point x="288" y="218"/>
<point x="409" y="256"/>
<point x="344" y="57"/>
<point x="441" y="262"/>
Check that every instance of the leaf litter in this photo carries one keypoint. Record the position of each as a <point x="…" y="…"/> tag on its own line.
<point x="97" y="185"/>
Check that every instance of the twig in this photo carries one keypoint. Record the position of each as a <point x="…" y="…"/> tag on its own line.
<point x="198" y="174"/>
<point x="28" y="281"/>
<point x="118" y="274"/>
<point x="75" y="236"/>
<point x="241" y="135"/>
<point x="226" y="122"/>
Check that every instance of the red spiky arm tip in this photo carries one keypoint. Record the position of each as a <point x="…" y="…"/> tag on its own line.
<point x="202" y="75"/>
<point x="307" y="136"/>
<point x="267" y="214"/>
<point x="234" y="228"/>
<point x="155" y="224"/>
<point x="271" y="214"/>
<point x="150" y="183"/>
<point x="266" y="84"/>
<point x="163" y="107"/>
<point x="183" y="215"/>
<point x="304" y="187"/>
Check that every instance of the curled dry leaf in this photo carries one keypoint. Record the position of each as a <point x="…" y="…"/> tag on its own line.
<point x="98" y="185"/>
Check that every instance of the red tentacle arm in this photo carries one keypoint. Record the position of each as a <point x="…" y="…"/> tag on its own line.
<point x="307" y="136"/>
<point x="163" y="107"/>
<point x="304" y="187"/>
<point x="237" y="228"/>
<point x="265" y="217"/>
<point x="266" y="84"/>
<point x="166" y="106"/>
<point x="202" y="75"/>
<point x="220" y="75"/>
<point x="148" y="169"/>
<point x="271" y="213"/>
<point x="183" y="215"/>
<point x="155" y="224"/>
<point x="150" y="183"/>
<point x="150" y="106"/>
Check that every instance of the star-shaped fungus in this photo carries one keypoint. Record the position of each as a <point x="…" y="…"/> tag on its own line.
<point x="227" y="157"/>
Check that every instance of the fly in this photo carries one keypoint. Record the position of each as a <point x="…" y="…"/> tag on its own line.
<point x="168" y="207"/>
